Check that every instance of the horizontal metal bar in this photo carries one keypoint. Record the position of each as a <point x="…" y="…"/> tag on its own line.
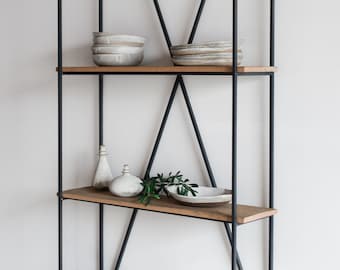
<point x="172" y="73"/>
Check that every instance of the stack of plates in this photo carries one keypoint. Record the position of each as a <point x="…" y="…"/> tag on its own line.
<point x="117" y="50"/>
<point x="218" y="53"/>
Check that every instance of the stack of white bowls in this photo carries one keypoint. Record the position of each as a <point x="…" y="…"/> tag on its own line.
<point x="117" y="50"/>
<point x="217" y="53"/>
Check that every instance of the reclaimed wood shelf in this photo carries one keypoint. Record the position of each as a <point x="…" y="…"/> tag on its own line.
<point x="166" y="205"/>
<point x="190" y="70"/>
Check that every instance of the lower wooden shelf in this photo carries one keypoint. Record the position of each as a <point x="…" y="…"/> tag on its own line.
<point x="223" y="213"/>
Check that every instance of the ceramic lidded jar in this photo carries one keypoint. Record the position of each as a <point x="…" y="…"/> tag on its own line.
<point x="103" y="176"/>
<point x="126" y="185"/>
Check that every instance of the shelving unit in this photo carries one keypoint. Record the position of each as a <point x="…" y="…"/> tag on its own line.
<point x="235" y="214"/>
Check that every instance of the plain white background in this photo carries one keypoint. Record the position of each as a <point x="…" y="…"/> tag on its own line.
<point x="307" y="135"/>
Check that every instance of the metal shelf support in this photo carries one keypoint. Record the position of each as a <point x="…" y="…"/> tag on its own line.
<point x="60" y="138"/>
<point x="179" y="80"/>
<point x="271" y="135"/>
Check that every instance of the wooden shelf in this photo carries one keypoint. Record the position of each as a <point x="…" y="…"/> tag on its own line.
<point x="246" y="213"/>
<point x="193" y="70"/>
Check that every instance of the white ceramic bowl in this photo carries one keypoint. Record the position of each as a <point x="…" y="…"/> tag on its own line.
<point x="206" y="196"/>
<point x="118" y="59"/>
<point x="113" y="49"/>
<point x="108" y="38"/>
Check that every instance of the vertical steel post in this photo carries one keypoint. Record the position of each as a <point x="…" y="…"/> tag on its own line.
<point x="234" y="137"/>
<point x="271" y="135"/>
<point x="60" y="139"/>
<point x="101" y="141"/>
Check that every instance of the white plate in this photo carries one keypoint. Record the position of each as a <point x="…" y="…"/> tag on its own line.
<point x="222" y="55"/>
<point x="206" y="196"/>
<point x="118" y="59"/>
<point x="204" y="62"/>
<point x="206" y="50"/>
<point x="213" y="59"/>
<point x="211" y="44"/>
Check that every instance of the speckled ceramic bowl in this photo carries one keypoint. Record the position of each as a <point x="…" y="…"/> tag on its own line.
<point x="118" y="59"/>
<point x="109" y="38"/>
<point x="113" y="49"/>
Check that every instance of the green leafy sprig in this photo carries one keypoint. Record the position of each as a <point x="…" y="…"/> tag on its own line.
<point x="154" y="186"/>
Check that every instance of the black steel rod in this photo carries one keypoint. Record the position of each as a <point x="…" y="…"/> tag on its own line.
<point x="271" y="135"/>
<point x="171" y="73"/>
<point x="126" y="239"/>
<point x="164" y="120"/>
<point x="197" y="133"/>
<point x="234" y="137"/>
<point x="101" y="141"/>
<point x="162" y="22"/>
<point x="205" y="158"/>
<point x="60" y="139"/>
<point x="272" y="33"/>
<point x="161" y="129"/>
<point x="271" y="173"/>
<point x="151" y="160"/>
<point x="101" y="109"/>
<point x="101" y="236"/>
<point x="101" y="81"/>
<point x="188" y="103"/>
<point x="197" y="20"/>
<point x="100" y="17"/>
<point x="60" y="233"/>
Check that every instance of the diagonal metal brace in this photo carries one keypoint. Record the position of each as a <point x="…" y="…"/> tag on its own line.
<point x="179" y="81"/>
<point x="148" y="169"/>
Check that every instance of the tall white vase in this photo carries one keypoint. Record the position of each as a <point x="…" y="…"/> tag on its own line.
<point x="103" y="176"/>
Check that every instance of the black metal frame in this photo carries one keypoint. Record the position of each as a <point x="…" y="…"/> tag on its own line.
<point x="179" y="81"/>
<point x="172" y="73"/>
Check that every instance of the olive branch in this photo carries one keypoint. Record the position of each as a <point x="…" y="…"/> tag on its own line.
<point x="154" y="186"/>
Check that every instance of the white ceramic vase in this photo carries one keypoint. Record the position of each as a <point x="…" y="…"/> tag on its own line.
<point x="103" y="176"/>
<point x="126" y="185"/>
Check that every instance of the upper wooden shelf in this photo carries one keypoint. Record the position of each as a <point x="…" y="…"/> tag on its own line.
<point x="245" y="213"/>
<point x="190" y="70"/>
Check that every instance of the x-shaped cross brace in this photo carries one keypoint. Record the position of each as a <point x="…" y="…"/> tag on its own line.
<point x="178" y="82"/>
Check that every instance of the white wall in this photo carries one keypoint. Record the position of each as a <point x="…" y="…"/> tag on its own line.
<point x="307" y="132"/>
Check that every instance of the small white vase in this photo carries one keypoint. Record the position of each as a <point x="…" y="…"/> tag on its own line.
<point x="103" y="176"/>
<point x="126" y="185"/>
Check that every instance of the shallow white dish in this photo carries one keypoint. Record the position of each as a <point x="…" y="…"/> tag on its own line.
<point x="222" y="55"/>
<point x="197" y="49"/>
<point x="203" y="62"/>
<point x="211" y="59"/>
<point x="108" y="38"/>
<point x="210" y="44"/>
<point x="205" y="50"/>
<point x="118" y="59"/>
<point x="112" y="49"/>
<point x="206" y="196"/>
